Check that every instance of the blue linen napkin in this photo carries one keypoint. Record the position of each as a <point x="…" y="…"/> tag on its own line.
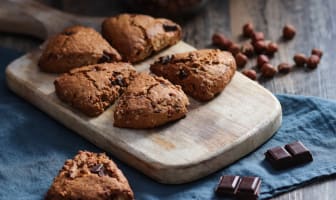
<point x="33" y="147"/>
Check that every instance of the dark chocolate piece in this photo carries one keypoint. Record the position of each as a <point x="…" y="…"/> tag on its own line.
<point x="249" y="188"/>
<point x="240" y="187"/>
<point x="119" y="80"/>
<point x="169" y="28"/>
<point x="279" y="157"/>
<point x="290" y="155"/>
<point x="98" y="169"/>
<point x="182" y="74"/>
<point x="299" y="152"/>
<point x="227" y="185"/>
<point x="166" y="59"/>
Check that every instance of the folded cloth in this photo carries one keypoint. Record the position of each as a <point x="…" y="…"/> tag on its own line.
<point x="33" y="147"/>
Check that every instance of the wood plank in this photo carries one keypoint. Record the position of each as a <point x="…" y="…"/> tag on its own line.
<point x="213" y="135"/>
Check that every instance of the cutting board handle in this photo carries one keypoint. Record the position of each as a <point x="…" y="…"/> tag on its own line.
<point x="35" y="19"/>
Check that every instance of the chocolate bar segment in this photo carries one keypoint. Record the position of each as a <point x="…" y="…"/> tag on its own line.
<point x="239" y="187"/>
<point x="279" y="157"/>
<point x="227" y="185"/>
<point x="249" y="188"/>
<point x="292" y="154"/>
<point x="299" y="152"/>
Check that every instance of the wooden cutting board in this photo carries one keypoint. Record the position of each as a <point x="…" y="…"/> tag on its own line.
<point x="212" y="136"/>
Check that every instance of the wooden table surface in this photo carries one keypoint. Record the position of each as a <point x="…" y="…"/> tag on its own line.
<point x="316" y="27"/>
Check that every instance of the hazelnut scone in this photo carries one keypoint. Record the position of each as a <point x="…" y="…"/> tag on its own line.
<point x="136" y="37"/>
<point x="90" y="176"/>
<point x="150" y="101"/>
<point x="75" y="47"/>
<point x="202" y="74"/>
<point x="93" y="88"/>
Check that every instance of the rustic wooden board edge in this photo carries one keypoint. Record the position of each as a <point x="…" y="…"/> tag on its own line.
<point x="158" y="171"/>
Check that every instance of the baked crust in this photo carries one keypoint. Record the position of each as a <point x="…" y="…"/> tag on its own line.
<point x="202" y="74"/>
<point x="93" y="88"/>
<point x="136" y="37"/>
<point x="90" y="176"/>
<point x="150" y="101"/>
<point x="75" y="47"/>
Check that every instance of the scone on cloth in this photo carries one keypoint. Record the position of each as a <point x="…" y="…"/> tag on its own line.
<point x="93" y="88"/>
<point x="202" y="74"/>
<point x="75" y="47"/>
<point x="136" y="37"/>
<point x="90" y="176"/>
<point x="150" y="101"/>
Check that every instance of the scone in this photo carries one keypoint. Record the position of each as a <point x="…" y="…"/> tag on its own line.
<point x="90" y="176"/>
<point x="150" y="101"/>
<point x="93" y="88"/>
<point x="202" y="74"/>
<point x="75" y="47"/>
<point x="138" y="36"/>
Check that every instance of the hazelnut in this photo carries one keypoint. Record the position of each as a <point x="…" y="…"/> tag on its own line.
<point x="221" y="41"/>
<point x="300" y="59"/>
<point x="252" y="74"/>
<point x="259" y="46"/>
<point x="268" y="71"/>
<point x="234" y="48"/>
<point x="258" y="36"/>
<point x="241" y="60"/>
<point x="248" y="30"/>
<point x="317" y="52"/>
<point x="313" y="61"/>
<point x="261" y="60"/>
<point x="271" y="48"/>
<point x="288" y="32"/>
<point x="284" y="68"/>
<point x="247" y="49"/>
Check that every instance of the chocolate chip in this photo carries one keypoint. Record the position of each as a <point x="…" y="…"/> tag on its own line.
<point x="169" y="28"/>
<point x="166" y="59"/>
<point x="68" y="32"/>
<point x="119" y="80"/>
<point x="183" y="74"/>
<point x="97" y="168"/>
<point x="101" y="172"/>
<point x="105" y="58"/>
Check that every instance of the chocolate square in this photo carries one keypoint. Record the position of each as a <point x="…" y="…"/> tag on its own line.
<point x="300" y="153"/>
<point x="227" y="185"/>
<point x="279" y="157"/>
<point x="249" y="188"/>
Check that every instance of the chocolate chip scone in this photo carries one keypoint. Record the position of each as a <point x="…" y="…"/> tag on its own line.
<point x="202" y="74"/>
<point x="138" y="36"/>
<point x="150" y="101"/>
<point x="93" y="88"/>
<point x="90" y="176"/>
<point x="75" y="47"/>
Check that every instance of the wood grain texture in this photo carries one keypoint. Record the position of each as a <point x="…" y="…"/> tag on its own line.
<point x="213" y="135"/>
<point x="316" y="25"/>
